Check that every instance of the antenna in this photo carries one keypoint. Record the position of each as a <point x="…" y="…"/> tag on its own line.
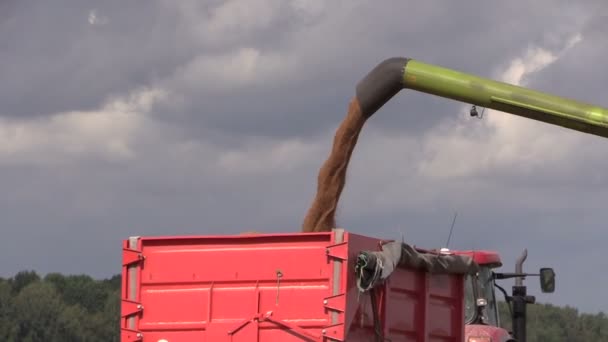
<point x="451" y="230"/>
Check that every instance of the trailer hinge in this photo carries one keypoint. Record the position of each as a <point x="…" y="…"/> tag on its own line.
<point x="334" y="332"/>
<point x="131" y="256"/>
<point x="338" y="251"/>
<point x="129" y="308"/>
<point x="128" y="335"/>
<point x="337" y="302"/>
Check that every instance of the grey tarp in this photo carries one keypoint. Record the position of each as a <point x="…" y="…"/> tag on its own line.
<point x="375" y="266"/>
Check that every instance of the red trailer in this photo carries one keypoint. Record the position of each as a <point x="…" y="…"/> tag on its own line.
<point x="289" y="287"/>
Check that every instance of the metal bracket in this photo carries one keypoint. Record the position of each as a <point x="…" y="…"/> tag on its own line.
<point x="131" y="256"/>
<point x="268" y="317"/>
<point x="337" y="303"/>
<point x="129" y="307"/>
<point x="128" y="335"/>
<point x="338" y="251"/>
<point x="334" y="332"/>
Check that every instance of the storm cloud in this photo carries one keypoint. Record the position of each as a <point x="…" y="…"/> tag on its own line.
<point x="185" y="117"/>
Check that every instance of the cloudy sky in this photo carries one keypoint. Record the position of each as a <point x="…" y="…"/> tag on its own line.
<point x="165" y="117"/>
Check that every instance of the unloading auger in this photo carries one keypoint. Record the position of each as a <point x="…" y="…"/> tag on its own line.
<point x="395" y="74"/>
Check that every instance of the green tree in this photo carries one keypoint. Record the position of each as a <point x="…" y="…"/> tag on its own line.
<point x="549" y="323"/>
<point x="37" y="308"/>
<point x="23" y="279"/>
<point x="80" y="289"/>
<point x="7" y="324"/>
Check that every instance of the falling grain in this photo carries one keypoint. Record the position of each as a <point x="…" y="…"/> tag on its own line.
<point x="332" y="175"/>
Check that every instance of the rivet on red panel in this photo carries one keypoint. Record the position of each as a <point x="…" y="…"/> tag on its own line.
<point x="334" y="332"/>
<point x="129" y="307"/>
<point x="337" y="303"/>
<point x="128" y="335"/>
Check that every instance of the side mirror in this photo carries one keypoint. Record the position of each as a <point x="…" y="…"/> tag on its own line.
<point x="547" y="280"/>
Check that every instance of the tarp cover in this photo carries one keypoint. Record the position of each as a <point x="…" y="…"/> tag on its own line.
<point x="375" y="266"/>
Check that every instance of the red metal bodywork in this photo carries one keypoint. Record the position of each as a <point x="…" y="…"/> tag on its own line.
<point x="477" y="332"/>
<point x="482" y="257"/>
<point x="279" y="287"/>
<point x="483" y="333"/>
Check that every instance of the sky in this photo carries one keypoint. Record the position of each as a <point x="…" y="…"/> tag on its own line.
<point x="161" y="117"/>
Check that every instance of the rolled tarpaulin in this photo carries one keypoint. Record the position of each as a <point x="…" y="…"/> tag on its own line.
<point x="373" y="267"/>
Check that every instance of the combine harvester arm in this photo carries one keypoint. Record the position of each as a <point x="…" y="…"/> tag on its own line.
<point x="395" y="74"/>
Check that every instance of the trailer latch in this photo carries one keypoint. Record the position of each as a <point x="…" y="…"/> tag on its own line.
<point x="337" y="302"/>
<point x="128" y="335"/>
<point x="129" y="307"/>
<point x="334" y="332"/>
<point x="131" y="256"/>
<point x="338" y="251"/>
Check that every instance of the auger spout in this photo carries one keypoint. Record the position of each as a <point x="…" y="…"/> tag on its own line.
<point x="395" y="74"/>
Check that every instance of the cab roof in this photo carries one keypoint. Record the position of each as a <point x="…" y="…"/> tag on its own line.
<point x="482" y="257"/>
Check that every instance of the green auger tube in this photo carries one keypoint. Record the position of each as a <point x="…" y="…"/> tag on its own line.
<point x="395" y="74"/>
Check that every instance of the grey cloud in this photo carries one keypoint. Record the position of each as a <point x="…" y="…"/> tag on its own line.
<point x="578" y="73"/>
<point x="70" y="215"/>
<point x="54" y="60"/>
<point x="70" y="64"/>
<point x="331" y="57"/>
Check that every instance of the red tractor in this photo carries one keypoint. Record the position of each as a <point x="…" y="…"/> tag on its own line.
<point x="483" y="322"/>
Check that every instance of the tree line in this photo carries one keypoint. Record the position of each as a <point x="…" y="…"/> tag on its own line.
<point x="550" y="323"/>
<point x="59" y="308"/>
<point x="78" y="308"/>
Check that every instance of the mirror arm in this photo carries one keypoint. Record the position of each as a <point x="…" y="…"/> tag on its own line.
<point x="514" y="275"/>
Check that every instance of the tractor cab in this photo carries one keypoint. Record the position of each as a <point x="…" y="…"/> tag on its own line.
<point x="480" y="299"/>
<point x="481" y="308"/>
